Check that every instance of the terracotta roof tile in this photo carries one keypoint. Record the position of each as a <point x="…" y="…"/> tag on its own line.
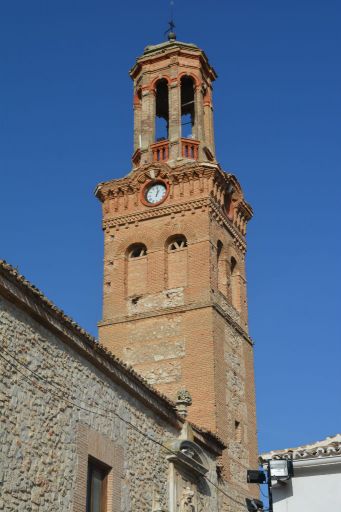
<point x="328" y="447"/>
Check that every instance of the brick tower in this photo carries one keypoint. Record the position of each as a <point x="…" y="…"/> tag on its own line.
<point x="174" y="299"/>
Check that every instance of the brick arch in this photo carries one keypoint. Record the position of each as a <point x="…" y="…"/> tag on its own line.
<point x="173" y="238"/>
<point x="122" y="246"/>
<point x="135" y="247"/>
<point x="168" y="233"/>
<point x="162" y="77"/>
<point x="197" y="81"/>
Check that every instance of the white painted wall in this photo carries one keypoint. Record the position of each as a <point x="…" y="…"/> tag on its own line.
<point x="315" y="487"/>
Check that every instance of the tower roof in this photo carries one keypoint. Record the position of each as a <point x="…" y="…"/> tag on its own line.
<point x="158" y="50"/>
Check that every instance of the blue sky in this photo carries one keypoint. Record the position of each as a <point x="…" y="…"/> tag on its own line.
<point x="66" y="124"/>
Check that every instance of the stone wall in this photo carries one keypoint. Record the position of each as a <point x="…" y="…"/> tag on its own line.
<point x="59" y="410"/>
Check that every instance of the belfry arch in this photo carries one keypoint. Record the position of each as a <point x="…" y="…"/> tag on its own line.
<point x="187" y="96"/>
<point x="161" y="110"/>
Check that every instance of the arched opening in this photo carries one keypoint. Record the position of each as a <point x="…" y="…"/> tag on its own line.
<point x="177" y="243"/>
<point x="161" y="110"/>
<point x="221" y="268"/>
<point x="136" y="269"/>
<point x="233" y="265"/>
<point x="137" y="251"/>
<point x="235" y="287"/>
<point x="176" y="261"/>
<point x="187" y="108"/>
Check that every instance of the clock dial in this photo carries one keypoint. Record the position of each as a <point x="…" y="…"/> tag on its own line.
<point x="155" y="193"/>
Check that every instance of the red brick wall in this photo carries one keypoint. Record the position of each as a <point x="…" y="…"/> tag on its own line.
<point x="188" y="327"/>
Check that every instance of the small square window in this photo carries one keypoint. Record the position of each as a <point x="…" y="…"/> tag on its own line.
<point x="96" y="495"/>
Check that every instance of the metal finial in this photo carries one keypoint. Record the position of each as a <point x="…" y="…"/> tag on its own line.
<point x="170" y="31"/>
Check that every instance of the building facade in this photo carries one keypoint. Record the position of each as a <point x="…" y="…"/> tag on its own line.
<point x="316" y="481"/>
<point x="174" y="299"/>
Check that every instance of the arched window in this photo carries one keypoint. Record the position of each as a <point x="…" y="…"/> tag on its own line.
<point x="161" y="110"/>
<point x="221" y="268"/>
<point x="137" y="251"/>
<point x="187" y="108"/>
<point x="177" y="243"/>
<point x="235" y="283"/>
<point x="176" y="261"/>
<point x="136" y="269"/>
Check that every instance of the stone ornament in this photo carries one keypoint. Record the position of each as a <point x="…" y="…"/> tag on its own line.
<point x="186" y="500"/>
<point x="183" y="401"/>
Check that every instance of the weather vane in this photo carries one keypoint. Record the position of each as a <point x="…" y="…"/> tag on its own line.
<point x="170" y="31"/>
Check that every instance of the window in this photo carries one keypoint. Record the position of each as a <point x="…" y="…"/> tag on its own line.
<point x="96" y="495"/>
<point x="136" y="270"/>
<point x="137" y="251"/>
<point x="177" y="243"/>
<point x="221" y="264"/>
<point x="176" y="261"/>
<point x="235" y="285"/>
<point x="233" y="265"/>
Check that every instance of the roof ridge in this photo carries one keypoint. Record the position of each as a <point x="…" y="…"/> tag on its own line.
<point x="329" y="446"/>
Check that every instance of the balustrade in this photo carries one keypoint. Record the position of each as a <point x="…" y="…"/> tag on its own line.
<point x="190" y="148"/>
<point x="160" y="151"/>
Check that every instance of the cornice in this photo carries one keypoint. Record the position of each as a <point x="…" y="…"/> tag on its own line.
<point x="186" y="206"/>
<point x="213" y="183"/>
<point x="133" y="181"/>
<point x="160" y="211"/>
<point x="221" y="218"/>
<point x="166" y="51"/>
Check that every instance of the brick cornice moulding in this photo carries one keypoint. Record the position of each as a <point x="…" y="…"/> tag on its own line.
<point x="125" y="221"/>
<point x="161" y="211"/>
<point x="179" y="171"/>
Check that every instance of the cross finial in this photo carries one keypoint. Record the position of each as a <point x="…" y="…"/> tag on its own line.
<point x="170" y="31"/>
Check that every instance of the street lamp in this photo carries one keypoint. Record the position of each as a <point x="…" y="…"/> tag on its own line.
<point x="281" y="469"/>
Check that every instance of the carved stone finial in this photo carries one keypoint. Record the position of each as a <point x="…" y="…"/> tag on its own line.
<point x="183" y="401"/>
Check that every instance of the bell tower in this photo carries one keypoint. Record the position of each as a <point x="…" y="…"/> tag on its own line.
<point x="173" y="114"/>
<point x="174" y="297"/>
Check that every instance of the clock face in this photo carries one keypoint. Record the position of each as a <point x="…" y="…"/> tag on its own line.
<point x="155" y="193"/>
